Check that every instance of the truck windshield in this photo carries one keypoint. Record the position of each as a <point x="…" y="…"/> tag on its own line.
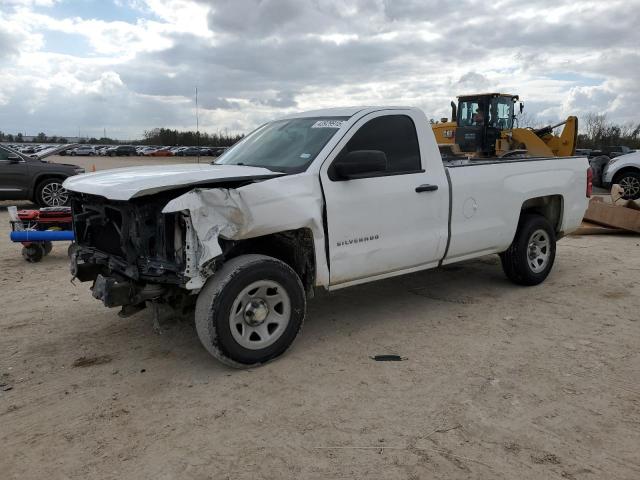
<point x="287" y="146"/>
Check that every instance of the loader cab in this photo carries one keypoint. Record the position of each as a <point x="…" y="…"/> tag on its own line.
<point x="481" y="120"/>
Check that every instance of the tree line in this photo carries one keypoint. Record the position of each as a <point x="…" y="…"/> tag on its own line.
<point x="156" y="136"/>
<point x="598" y="132"/>
<point x="166" y="136"/>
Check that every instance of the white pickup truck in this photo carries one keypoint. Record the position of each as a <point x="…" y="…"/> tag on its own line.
<point x="324" y="199"/>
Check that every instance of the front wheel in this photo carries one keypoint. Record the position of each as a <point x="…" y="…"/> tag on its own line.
<point x="530" y="257"/>
<point x="250" y="311"/>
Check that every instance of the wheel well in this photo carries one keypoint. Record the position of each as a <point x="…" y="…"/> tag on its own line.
<point x="624" y="170"/>
<point x="549" y="207"/>
<point x="47" y="176"/>
<point x="293" y="247"/>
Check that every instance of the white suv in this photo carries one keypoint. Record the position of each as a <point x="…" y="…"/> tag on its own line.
<point x="84" y="150"/>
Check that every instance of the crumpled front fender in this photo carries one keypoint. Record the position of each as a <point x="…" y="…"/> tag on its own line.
<point x="262" y="208"/>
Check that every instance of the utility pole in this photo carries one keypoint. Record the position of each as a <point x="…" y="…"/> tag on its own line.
<point x="197" y="126"/>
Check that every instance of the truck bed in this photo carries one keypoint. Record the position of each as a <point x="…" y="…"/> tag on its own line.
<point x="486" y="201"/>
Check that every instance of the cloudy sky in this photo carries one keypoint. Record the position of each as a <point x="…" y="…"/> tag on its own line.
<point x="70" y="66"/>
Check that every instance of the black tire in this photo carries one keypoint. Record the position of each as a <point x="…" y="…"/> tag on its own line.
<point x="630" y="181"/>
<point x="47" y="247"/>
<point x="44" y="198"/>
<point x="516" y="261"/>
<point x="597" y="167"/>
<point x="33" y="253"/>
<point x="225" y="288"/>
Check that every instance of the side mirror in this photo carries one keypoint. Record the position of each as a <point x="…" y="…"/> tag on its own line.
<point x="14" y="159"/>
<point x="359" y="163"/>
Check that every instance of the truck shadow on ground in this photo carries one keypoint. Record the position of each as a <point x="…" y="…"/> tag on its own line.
<point x="377" y="308"/>
<point x="360" y="309"/>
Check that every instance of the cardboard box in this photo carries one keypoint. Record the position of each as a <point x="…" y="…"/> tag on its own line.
<point x="588" y="228"/>
<point x="625" y="216"/>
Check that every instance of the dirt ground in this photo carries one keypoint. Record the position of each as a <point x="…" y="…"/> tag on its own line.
<point x="497" y="381"/>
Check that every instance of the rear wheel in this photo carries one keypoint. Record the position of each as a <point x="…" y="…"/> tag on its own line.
<point x="630" y="182"/>
<point x="250" y="311"/>
<point x="51" y="193"/>
<point x="530" y="257"/>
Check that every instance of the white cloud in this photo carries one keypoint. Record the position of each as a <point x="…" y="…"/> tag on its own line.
<point x="256" y="59"/>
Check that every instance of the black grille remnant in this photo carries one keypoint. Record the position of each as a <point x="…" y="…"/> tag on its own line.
<point x="131" y="238"/>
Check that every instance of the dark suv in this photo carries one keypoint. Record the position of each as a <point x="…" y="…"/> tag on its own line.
<point x="613" y="151"/>
<point x="190" y="152"/>
<point x="122" y="151"/>
<point x="27" y="178"/>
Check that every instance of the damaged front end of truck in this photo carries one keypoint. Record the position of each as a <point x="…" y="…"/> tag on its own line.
<point x="129" y="250"/>
<point x="162" y="247"/>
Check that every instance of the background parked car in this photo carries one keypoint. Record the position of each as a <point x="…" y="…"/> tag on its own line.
<point x="83" y="150"/>
<point x="613" y="151"/>
<point x="25" y="178"/>
<point x="121" y="151"/>
<point x="176" y="150"/>
<point x="189" y="152"/>
<point x="147" y="150"/>
<point x="161" y="152"/>
<point x="217" y="151"/>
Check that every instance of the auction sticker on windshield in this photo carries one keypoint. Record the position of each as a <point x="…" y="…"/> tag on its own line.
<point x="328" y="124"/>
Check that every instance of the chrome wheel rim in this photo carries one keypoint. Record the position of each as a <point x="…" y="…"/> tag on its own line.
<point x="631" y="186"/>
<point x="538" y="251"/>
<point x="54" y="195"/>
<point x="260" y="314"/>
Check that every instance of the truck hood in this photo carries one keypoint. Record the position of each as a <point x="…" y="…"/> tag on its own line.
<point x="132" y="182"/>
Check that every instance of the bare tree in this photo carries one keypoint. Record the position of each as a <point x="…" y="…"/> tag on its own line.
<point x="599" y="133"/>
<point x="526" y="120"/>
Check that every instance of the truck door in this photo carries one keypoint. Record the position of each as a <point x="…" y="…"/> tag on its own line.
<point x="392" y="220"/>
<point x="14" y="176"/>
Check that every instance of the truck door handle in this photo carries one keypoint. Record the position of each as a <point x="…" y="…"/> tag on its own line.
<point x="426" y="188"/>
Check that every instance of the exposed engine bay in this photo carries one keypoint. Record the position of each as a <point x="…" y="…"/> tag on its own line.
<point x="129" y="249"/>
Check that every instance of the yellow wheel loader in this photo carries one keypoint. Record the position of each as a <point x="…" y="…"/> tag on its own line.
<point x="483" y="126"/>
